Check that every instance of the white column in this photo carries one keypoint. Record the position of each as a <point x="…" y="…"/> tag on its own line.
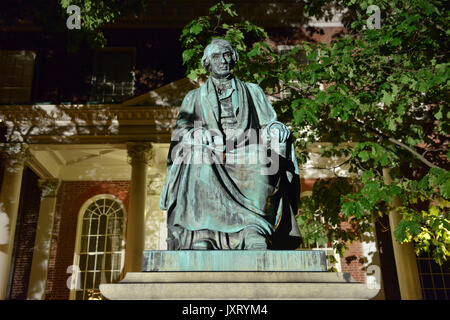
<point x="16" y="155"/>
<point x="405" y="257"/>
<point x="42" y="244"/>
<point x="139" y="154"/>
<point x="156" y="226"/>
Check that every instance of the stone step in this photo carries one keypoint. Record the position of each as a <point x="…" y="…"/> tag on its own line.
<point x="240" y="276"/>
<point x="237" y="286"/>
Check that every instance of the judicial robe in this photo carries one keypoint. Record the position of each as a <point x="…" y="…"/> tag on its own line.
<point x="230" y="196"/>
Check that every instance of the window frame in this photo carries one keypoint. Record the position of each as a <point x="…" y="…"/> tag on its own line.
<point x="81" y="213"/>
<point x="93" y="82"/>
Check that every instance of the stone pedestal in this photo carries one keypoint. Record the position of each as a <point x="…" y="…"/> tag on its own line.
<point x="236" y="275"/>
<point x="234" y="260"/>
<point x="263" y="285"/>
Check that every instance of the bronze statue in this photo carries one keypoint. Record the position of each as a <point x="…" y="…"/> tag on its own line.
<point x="232" y="176"/>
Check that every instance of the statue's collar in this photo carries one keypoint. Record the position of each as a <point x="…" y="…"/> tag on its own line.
<point x="221" y="82"/>
<point x="209" y="96"/>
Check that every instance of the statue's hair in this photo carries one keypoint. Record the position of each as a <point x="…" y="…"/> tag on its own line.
<point x="218" y="42"/>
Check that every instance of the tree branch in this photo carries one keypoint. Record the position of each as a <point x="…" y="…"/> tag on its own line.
<point x="433" y="150"/>
<point x="398" y="143"/>
<point x="332" y="168"/>
<point x="417" y="155"/>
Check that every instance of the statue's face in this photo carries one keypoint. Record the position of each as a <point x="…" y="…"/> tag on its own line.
<point x="221" y="62"/>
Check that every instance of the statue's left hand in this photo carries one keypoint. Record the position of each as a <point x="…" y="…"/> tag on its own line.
<point x="277" y="130"/>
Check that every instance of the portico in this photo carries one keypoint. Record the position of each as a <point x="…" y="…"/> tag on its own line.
<point x="87" y="143"/>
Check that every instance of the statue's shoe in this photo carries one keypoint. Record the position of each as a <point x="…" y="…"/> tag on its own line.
<point x="253" y="240"/>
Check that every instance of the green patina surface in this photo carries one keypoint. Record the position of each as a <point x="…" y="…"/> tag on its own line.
<point x="234" y="260"/>
<point x="215" y="196"/>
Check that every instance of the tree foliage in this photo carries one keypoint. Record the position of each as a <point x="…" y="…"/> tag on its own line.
<point x="51" y="16"/>
<point x="379" y="96"/>
<point x="257" y="59"/>
<point x="97" y="13"/>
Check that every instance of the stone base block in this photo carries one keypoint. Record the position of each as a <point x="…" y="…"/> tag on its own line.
<point x="261" y="285"/>
<point x="234" y="260"/>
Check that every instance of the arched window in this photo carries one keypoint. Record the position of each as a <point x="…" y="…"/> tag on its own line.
<point x="99" y="252"/>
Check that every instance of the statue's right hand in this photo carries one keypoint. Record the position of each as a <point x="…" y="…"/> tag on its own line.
<point x="207" y="138"/>
<point x="201" y="136"/>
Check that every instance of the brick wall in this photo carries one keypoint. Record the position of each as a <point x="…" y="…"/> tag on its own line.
<point x="71" y="196"/>
<point x="352" y="262"/>
<point x="306" y="184"/>
<point x="295" y="36"/>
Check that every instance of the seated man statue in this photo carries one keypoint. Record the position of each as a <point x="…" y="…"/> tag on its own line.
<point x="243" y="194"/>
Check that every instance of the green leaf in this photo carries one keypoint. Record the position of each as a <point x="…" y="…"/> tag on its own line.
<point x="364" y="155"/>
<point x="400" y="232"/>
<point x="387" y="98"/>
<point x="392" y="125"/>
<point x="444" y="189"/>
<point x="384" y="161"/>
<point x="187" y="55"/>
<point x="196" y="28"/>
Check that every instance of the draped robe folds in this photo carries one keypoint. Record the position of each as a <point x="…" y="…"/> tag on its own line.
<point x="230" y="196"/>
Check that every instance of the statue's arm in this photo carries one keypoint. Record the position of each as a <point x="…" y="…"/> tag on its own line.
<point x="264" y="109"/>
<point x="186" y="115"/>
<point x="189" y="128"/>
<point x="267" y="115"/>
<point x="183" y="127"/>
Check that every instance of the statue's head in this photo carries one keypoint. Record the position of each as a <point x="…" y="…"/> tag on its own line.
<point x="219" y="58"/>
